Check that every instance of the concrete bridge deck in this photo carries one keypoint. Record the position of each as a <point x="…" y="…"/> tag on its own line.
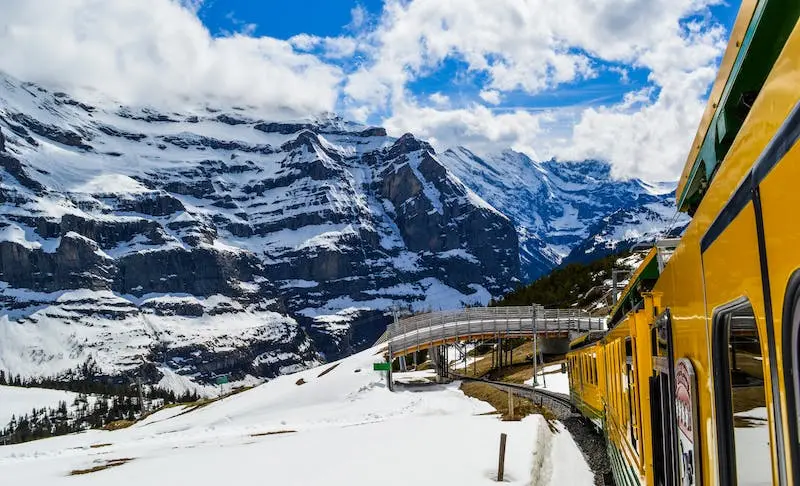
<point x="437" y="328"/>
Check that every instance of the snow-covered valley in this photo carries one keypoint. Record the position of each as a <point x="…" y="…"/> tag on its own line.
<point x="310" y="428"/>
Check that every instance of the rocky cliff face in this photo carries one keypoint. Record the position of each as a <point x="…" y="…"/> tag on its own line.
<point x="567" y="211"/>
<point x="193" y="244"/>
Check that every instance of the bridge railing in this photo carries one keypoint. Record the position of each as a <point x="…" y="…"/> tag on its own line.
<point x="417" y="331"/>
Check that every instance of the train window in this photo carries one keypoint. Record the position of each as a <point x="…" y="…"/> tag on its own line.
<point x="744" y="432"/>
<point x="594" y="369"/>
<point x="791" y="365"/>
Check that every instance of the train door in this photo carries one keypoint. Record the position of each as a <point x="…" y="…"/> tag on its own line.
<point x="746" y="394"/>
<point x="791" y="366"/>
<point x="662" y="408"/>
<point x="775" y="176"/>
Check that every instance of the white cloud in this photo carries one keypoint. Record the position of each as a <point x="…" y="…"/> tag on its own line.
<point x="332" y="47"/>
<point x="530" y="46"/>
<point x="439" y="99"/>
<point x="474" y="126"/>
<point x="491" y="96"/>
<point x="358" y="16"/>
<point x="158" y="51"/>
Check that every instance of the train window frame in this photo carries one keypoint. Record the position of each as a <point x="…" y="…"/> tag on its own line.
<point x="726" y="441"/>
<point x="633" y="391"/>
<point x="791" y="362"/>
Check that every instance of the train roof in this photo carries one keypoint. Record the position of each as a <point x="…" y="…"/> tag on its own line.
<point x="587" y="339"/>
<point x="642" y="279"/>
<point x="757" y="38"/>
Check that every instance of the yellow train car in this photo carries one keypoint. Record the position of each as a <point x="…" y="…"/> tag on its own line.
<point x="700" y="360"/>
<point x="585" y="366"/>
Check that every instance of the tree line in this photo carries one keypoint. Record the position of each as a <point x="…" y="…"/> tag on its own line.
<point x="99" y="403"/>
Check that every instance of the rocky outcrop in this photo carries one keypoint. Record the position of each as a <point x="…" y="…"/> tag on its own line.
<point x="75" y="264"/>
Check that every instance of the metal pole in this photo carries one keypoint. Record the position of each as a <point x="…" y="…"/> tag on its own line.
<point x="389" y="371"/>
<point x="141" y="395"/>
<point x="475" y="360"/>
<point x="535" y="355"/>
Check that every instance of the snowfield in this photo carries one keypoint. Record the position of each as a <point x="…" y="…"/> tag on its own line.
<point x="341" y="427"/>
<point x="17" y="401"/>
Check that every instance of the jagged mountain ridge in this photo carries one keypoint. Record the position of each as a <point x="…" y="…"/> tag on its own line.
<point x="566" y="211"/>
<point x="186" y="245"/>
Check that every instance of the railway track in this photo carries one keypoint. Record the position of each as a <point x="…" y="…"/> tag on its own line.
<point x="558" y="403"/>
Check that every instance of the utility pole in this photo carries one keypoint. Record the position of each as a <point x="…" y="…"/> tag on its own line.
<point x="141" y="395"/>
<point x="535" y="357"/>
<point x="139" y="386"/>
<point x="535" y="347"/>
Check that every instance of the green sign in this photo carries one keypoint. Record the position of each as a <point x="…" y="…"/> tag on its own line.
<point x="221" y="380"/>
<point x="385" y="366"/>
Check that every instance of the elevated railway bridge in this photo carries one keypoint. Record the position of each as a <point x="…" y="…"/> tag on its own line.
<point x="554" y="328"/>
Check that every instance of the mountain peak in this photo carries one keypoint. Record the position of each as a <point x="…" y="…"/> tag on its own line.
<point x="562" y="209"/>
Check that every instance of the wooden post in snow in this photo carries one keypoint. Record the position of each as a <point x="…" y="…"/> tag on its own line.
<point x="510" y="404"/>
<point x="502" y="463"/>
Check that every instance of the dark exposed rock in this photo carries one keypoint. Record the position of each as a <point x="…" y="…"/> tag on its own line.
<point x="373" y="132"/>
<point x="199" y="189"/>
<point x="121" y="134"/>
<point x="212" y="143"/>
<point x="63" y="98"/>
<point x="2" y="141"/>
<point x="151" y="203"/>
<point x="147" y="115"/>
<point x="283" y="128"/>
<point x="65" y="137"/>
<point x="201" y="271"/>
<point x="15" y="168"/>
<point x="75" y="264"/>
<point x="230" y="120"/>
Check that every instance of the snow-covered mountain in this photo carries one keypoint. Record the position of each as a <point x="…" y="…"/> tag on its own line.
<point x="185" y="245"/>
<point x="566" y="211"/>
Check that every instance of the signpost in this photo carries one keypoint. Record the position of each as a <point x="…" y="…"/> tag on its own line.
<point x="221" y="380"/>
<point x="387" y="367"/>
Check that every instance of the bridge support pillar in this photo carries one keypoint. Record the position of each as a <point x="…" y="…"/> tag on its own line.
<point x="553" y="345"/>
<point x="403" y="367"/>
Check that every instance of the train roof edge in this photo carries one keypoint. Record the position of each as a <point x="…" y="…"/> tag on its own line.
<point x="645" y="275"/>
<point x="757" y="38"/>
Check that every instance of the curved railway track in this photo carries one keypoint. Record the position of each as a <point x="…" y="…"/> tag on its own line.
<point x="583" y="432"/>
<point x="558" y="403"/>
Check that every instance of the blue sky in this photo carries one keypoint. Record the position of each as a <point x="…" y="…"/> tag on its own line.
<point x="283" y="19"/>
<point x="624" y="81"/>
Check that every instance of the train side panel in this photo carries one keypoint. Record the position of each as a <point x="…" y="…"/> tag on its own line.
<point x="726" y="288"/>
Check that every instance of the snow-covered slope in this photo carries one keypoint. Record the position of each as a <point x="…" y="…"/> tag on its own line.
<point x="565" y="211"/>
<point x="17" y="401"/>
<point x="211" y="242"/>
<point x="340" y="427"/>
